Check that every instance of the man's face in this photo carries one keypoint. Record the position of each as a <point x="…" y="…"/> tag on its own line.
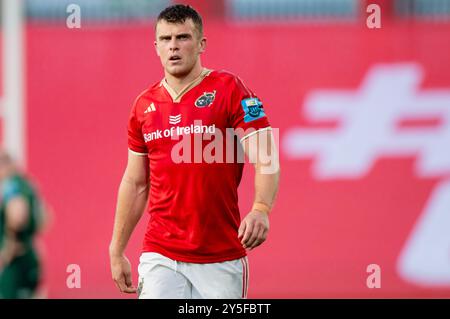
<point x="178" y="45"/>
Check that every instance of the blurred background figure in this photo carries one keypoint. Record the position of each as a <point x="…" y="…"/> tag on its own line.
<point x="21" y="217"/>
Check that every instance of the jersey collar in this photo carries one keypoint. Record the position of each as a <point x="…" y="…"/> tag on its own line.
<point x="176" y="97"/>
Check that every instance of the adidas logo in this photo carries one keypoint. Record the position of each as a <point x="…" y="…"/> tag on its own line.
<point x="175" y="119"/>
<point x="151" y="108"/>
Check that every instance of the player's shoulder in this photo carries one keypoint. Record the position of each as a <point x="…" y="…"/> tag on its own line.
<point x="12" y="186"/>
<point x="224" y="76"/>
<point x="231" y="80"/>
<point x="150" y="94"/>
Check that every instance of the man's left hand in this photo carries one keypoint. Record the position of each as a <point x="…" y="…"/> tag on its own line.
<point x="253" y="230"/>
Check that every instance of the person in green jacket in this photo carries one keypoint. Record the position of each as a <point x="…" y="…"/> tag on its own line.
<point x="21" y="217"/>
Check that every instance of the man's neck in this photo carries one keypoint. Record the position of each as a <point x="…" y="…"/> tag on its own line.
<point x="178" y="83"/>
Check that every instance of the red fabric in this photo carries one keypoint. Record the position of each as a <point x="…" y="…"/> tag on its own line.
<point x="193" y="204"/>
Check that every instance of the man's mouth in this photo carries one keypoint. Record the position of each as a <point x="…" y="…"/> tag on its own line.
<point x="174" y="58"/>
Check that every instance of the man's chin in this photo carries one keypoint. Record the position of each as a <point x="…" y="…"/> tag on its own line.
<point x="178" y="71"/>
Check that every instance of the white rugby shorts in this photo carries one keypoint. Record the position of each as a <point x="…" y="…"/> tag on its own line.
<point x="164" y="278"/>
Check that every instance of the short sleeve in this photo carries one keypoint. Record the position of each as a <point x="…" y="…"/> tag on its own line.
<point x="136" y="141"/>
<point x="247" y="114"/>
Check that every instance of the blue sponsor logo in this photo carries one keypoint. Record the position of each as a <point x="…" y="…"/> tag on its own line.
<point x="253" y="109"/>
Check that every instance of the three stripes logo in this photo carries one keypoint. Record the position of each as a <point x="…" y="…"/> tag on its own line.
<point x="151" y="108"/>
<point x="175" y="119"/>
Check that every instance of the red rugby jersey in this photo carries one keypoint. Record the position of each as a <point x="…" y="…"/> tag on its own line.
<point x="193" y="199"/>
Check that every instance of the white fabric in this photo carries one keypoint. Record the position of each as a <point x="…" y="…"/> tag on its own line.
<point x="163" y="278"/>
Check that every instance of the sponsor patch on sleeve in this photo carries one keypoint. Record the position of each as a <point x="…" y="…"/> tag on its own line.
<point x="253" y="109"/>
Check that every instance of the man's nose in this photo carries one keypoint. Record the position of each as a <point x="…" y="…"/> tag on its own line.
<point x="173" y="44"/>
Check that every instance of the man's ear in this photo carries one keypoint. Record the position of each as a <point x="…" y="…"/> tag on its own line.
<point x="156" y="48"/>
<point x="202" y="45"/>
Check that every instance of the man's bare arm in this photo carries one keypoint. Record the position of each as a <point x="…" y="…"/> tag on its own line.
<point x="261" y="151"/>
<point x="16" y="218"/>
<point x="131" y="203"/>
<point x="17" y="214"/>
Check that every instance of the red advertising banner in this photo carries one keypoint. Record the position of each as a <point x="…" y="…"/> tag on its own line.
<point x="364" y="136"/>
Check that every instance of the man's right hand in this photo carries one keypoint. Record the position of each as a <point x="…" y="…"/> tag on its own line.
<point x="121" y="273"/>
